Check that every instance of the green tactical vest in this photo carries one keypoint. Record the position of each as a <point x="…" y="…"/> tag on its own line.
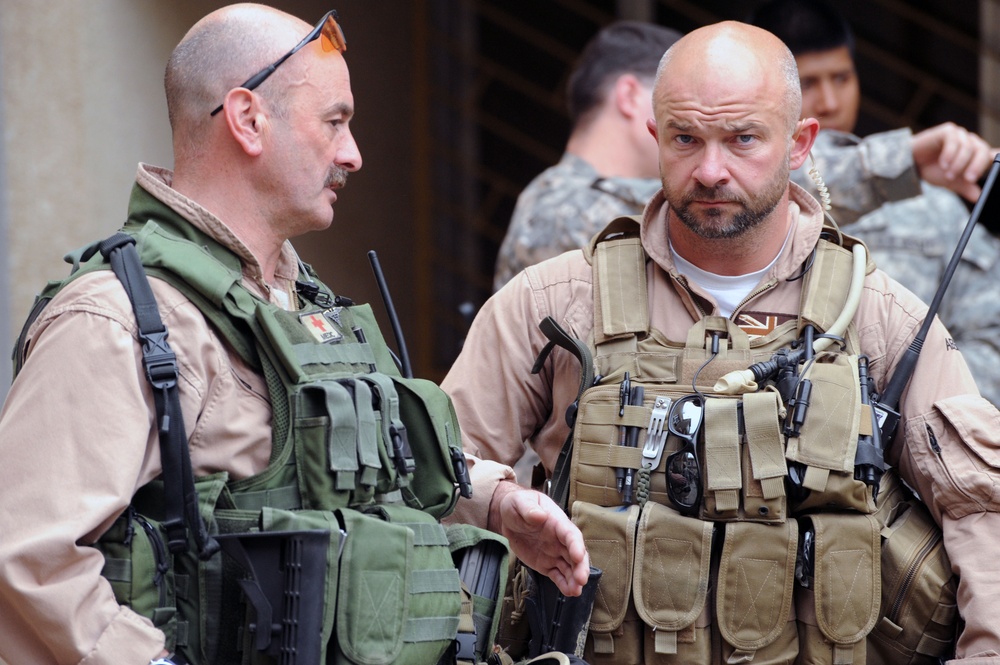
<point x="364" y="464"/>
<point x="784" y="557"/>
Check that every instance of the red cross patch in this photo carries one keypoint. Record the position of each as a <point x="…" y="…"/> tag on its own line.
<point x="320" y="327"/>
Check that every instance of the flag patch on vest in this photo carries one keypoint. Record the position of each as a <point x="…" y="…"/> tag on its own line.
<point x="758" y="324"/>
<point x="320" y="327"/>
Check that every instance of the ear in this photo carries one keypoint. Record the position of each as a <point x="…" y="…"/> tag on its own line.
<point x="245" y="120"/>
<point x="651" y="126"/>
<point x="802" y="141"/>
<point x="631" y="97"/>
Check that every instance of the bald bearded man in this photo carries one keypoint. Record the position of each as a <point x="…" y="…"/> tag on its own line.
<point x="714" y="276"/>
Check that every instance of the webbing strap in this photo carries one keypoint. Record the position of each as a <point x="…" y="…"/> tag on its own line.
<point x="435" y="581"/>
<point x="334" y="354"/>
<point x="559" y="491"/>
<point x="764" y="440"/>
<point x="722" y="453"/>
<point x="430" y="629"/>
<point x="180" y="496"/>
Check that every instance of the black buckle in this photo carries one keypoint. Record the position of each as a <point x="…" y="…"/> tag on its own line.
<point x="461" y="473"/>
<point x="402" y="453"/>
<point x="176" y="535"/>
<point x="160" y="361"/>
<point x="465" y="647"/>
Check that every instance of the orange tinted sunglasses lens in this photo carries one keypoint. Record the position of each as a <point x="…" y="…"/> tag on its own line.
<point x="332" y="37"/>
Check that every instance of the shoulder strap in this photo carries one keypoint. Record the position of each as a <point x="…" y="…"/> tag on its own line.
<point x="559" y="337"/>
<point x="180" y="497"/>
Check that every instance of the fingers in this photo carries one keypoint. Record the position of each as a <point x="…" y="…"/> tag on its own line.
<point x="545" y="539"/>
<point x="951" y="156"/>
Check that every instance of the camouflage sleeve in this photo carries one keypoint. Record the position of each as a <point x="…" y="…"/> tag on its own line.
<point x="862" y="174"/>
<point x="971" y="310"/>
<point x="913" y="241"/>
<point x="540" y="232"/>
<point x="561" y="210"/>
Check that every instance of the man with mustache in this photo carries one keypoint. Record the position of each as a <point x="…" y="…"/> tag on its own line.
<point x="257" y="162"/>
<point x="705" y="571"/>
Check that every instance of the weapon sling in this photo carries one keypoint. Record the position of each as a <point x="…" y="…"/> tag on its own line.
<point x="180" y="497"/>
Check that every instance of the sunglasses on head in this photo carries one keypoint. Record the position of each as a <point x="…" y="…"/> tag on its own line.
<point x="331" y="38"/>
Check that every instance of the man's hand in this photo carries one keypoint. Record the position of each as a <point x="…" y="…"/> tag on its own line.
<point x="951" y="156"/>
<point x="541" y="535"/>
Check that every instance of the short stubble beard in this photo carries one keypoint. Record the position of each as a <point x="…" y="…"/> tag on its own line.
<point x="714" y="224"/>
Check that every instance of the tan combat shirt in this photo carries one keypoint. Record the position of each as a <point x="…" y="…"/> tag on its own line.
<point x="77" y="439"/>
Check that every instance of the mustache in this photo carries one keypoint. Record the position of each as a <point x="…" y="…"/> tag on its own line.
<point x="337" y="177"/>
<point x="719" y="193"/>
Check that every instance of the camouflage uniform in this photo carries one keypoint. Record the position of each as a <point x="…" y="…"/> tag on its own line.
<point x="565" y="205"/>
<point x="913" y="240"/>
<point x="561" y="209"/>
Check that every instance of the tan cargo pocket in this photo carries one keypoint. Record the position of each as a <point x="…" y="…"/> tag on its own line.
<point x="918" y="617"/>
<point x="670" y="583"/>
<point x="754" y="595"/>
<point x="610" y="537"/>
<point x="842" y="607"/>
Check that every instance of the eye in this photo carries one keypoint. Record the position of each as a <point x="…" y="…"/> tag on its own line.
<point x="684" y="139"/>
<point x="745" y="139"/>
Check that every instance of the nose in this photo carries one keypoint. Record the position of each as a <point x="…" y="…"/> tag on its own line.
<point x="828" y="102"/>
<point x="712" y="169"/>
<point x="348" y="155"/>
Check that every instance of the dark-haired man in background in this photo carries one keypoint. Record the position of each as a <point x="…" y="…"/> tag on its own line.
<point x="911" y="239"/>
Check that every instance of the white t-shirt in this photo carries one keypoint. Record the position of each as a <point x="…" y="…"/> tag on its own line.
<point x="727" y="290"/>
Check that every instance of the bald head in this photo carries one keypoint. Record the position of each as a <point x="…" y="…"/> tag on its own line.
<point x="217" y="54"/>
<point x="735" y="61"/>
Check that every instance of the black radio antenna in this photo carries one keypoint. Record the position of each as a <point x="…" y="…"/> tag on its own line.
<point x="397" y="331"/>
<point x="886" y="407"/>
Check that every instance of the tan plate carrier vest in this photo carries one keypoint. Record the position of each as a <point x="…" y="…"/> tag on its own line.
<point x="720" y="587"/>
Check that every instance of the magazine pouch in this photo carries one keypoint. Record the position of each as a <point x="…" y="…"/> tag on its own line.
<point x="754" y="594"/>
<point x="841" y="607"/>
<point x="671" y="546"/>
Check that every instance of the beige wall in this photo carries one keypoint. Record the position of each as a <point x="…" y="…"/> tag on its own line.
<point x="81" y="103"/>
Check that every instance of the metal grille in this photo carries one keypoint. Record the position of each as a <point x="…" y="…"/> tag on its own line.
<point x="494" y="114"/>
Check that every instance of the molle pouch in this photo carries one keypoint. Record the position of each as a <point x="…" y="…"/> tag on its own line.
<point x="597" y="452"/>
<point x="140" y="570"/>
<point x="754" y="593"/>
<point x="434" y="442"/>
<point x="287" y="572"/>
<point x="610" y="537"/>
<point x="764" y="468"/>
<point x="825" y="449"/>
<point x="670" y="585"/>
<point x="840" y="607"/>
<point x="918" y="617"/>
<point x="744" y="459"/>
<point x="399" y="594"/>
<point x="336" y="446"/>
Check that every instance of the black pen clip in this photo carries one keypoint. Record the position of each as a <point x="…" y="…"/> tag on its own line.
<point x="624" y="393"/>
